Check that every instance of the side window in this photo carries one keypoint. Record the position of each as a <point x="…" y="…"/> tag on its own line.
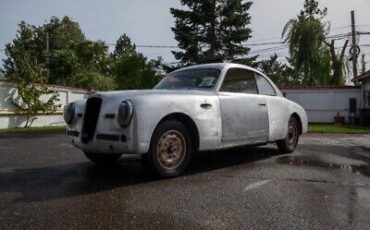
<point x="264" y="87"/>
<point x="239" y="81"/>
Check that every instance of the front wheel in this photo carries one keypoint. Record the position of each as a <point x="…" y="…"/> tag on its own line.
<point x="290" y="142"/>
<point x="170" y="149"/>
<point x="102" y="159"/>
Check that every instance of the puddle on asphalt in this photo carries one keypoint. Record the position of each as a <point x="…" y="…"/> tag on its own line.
<point x="310" y="161"/>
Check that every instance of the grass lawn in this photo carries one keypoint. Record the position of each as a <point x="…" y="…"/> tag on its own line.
<point x="327" y="128"/>
<point x="312" y="128"/>
<point x="46" y="129"/>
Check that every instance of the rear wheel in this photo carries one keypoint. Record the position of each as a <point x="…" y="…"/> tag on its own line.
<point x="290" y="142"/>
<point x="170" y="149"/>
<point x="102" y="159"/>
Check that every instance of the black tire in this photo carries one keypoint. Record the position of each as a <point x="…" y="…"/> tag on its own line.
<point x="170" y="149"/>
<point x="290" y="142"/>
<point x="102" y="159"/>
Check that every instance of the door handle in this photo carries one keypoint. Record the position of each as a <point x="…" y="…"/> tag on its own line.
<point x="205" y="106"/>
<point x="262" y="105"/>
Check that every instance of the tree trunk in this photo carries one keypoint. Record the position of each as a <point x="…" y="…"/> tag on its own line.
<point x="212" y="34"/>
<point x="337" y="62"/>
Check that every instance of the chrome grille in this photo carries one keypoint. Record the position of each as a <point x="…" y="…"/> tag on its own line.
<point x="90" y="119"/>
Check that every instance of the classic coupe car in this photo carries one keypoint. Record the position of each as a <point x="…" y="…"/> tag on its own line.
<point x="203" y="107"/>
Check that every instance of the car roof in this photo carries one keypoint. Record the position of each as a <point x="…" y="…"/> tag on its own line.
<point x="217" y="66"/>
<point x="225" y="66"/>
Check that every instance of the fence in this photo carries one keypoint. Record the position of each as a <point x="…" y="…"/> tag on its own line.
<point x="12" y="117"/>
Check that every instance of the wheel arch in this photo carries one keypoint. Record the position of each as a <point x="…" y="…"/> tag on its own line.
<point x="298" y="118"/>
<point x="189" y="124"/>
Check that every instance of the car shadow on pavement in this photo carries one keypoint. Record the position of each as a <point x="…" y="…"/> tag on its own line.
<point x="213" y="160"/>
<point x="75" y="179"/>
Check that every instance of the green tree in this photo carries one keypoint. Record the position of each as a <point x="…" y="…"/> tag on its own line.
<point x="30" y="79"/>
<point x="212" y="31"/>
<point x="123" y="46"/>
<point x="24" y="42"/>
<point x="61" y="46"/>
<point x="56" y="34"/>
<point x="73" y="60"/>
<point x="93" y="80"/>
<point x="94" y="60"/>
<point x="63" y="65"/>
<point x="324" y="68"/>
<point x="135" y="72"/>
<point x="63" y="33"/>
<point x="305" y="35"/>
<point x="275" y="70"/>
<point x="132" y="70"/>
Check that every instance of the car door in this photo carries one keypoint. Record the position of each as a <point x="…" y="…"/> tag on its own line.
<point x="277" y="108"/>
<point x="244" y="112"/>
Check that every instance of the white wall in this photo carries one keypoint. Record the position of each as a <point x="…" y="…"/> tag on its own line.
<point x="323" y="104"/>
<point x="11" y="117"/>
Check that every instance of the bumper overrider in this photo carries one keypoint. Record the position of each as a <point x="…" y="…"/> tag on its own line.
<point x="100" y="127"/>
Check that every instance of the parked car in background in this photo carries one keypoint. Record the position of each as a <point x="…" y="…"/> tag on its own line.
<point x="203" y="107"/>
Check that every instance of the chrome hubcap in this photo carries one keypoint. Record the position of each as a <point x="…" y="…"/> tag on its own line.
<point x="171" y="149"/>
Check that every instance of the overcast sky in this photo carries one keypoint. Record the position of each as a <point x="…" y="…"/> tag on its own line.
<point x="148" y="22"/>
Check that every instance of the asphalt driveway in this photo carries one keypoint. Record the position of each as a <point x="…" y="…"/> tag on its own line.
<point x="45" y="183"/>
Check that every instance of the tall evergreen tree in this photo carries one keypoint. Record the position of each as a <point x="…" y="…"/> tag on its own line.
<point x="132" y="70"/>
<point x="212" y="31"/>
<point x="123" y="46"/>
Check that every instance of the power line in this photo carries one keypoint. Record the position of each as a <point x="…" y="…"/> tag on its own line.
<point x="268" y="49"/>
<point x="156" y="46"/>
<point x="337" y="36"/>
<point x="266" y="39"/>
<point x="150" y="46"/>
<point x="363" y="33"/>
<point x="340" y="27"/>
<point x="363" y="25"/>
<point x="263" y="43"/>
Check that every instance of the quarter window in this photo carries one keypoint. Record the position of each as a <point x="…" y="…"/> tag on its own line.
<point x="239" y="81"/>
<point x="264" y="87"/>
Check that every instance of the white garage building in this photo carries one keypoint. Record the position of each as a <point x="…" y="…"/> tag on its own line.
<point x="324" y="103"/>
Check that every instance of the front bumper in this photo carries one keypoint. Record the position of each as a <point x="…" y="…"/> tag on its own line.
<point x="102" y="133"/>
<point x="106" y="143"/>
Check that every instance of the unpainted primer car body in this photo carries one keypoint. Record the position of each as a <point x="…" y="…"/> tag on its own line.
<point x="215" y="119"/>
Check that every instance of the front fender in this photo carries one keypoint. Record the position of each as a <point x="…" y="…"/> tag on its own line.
<point x="149" y="111"/>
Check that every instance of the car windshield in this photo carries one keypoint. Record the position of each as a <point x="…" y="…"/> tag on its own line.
<point x="204" y="78"/>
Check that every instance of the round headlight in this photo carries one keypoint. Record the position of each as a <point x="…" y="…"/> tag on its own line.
<point x="124" y="113"/>
<point x="69" y="113"/>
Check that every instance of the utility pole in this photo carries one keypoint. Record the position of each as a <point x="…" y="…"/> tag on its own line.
<point x="354" y="46"/>
<point x="47" y="52"/>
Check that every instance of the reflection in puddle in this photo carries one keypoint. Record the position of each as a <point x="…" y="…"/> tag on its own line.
<point x="310" y="161"/>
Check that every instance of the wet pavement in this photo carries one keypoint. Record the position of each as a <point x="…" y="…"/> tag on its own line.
<point x="325" y="184"/>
